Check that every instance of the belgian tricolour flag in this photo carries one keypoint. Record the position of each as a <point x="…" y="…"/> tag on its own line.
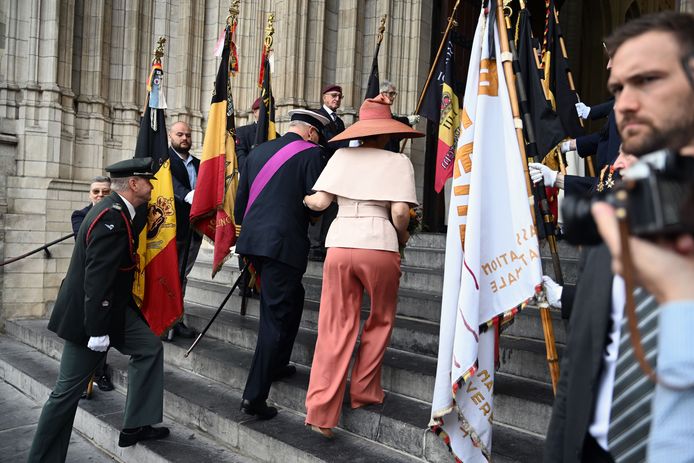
<point x="212" y="211"/>
<point x="157" y="286"/>
<point x="442" y="106"/>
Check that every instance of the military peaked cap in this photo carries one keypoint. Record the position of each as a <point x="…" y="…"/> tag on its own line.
<point x="135" y="167"/>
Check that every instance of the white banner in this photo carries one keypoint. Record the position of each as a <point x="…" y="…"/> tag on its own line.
<point x="492" y="255"/>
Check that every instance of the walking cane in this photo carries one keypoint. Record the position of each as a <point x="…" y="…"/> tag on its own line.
<point x="548" y="329"/>
<point x="219" y="309"/>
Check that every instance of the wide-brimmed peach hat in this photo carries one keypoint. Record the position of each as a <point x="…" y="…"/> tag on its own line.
<point x="375" y="118"/>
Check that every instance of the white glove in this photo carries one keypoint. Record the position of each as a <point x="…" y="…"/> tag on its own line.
<point x="98" y="343"/>
<point x="566" y="146"/>
<point x="189" y="197"/>
<point x="553" y="291"/>
<point x="542" y="172"/>
<point x="582" y="110"/>
<point x="413" y="119"/>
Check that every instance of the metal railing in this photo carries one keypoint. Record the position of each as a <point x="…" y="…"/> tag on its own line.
<point x="43" y="248"/>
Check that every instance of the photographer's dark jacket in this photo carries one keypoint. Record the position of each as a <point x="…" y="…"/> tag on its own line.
<point x="581" y="366"/>
<point x="98" y="286"/>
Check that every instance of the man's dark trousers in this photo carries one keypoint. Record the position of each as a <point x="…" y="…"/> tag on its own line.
<point x="281" y="306"/>
<point x="143" y="406"/>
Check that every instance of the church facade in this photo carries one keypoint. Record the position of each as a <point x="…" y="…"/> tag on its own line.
<point x="72" y="86"/>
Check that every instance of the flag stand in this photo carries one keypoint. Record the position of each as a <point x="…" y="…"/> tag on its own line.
<point x="451" y="22"/>
<point x="550" y="343"/>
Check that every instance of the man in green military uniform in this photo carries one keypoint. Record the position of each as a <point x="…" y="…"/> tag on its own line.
<point x="95" y="310"/>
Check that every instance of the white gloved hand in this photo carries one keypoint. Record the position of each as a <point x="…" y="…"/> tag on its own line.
<point x="553" y="291"/>
<point x="189" y="197"/>
<point x="542" y="172"/>
<point x="413" y="119"/>
<point x="582" y="110"/>
<point x="566" y="146"/>
<point x="99" y="343"/>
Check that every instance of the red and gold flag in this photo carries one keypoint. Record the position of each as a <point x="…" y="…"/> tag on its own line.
<point x="157" y="286"/>
<point x="212" y="212"/>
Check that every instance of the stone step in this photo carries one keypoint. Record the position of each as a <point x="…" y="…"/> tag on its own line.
<point x="18" y="418"/>
<point x="408" y="330"/>
<point x="525" y="358"/>
<point x="99" y="419"/>
<point x="212" y="408"/>
<point x="418" y="256"/>
<point x="408" y="335"/>
<point x="404" y="373"/>
<point x="220" y="370"/>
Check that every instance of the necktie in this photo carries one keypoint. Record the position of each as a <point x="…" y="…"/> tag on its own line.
<point x="334" y="117"/>
<point x="630" y="415"/>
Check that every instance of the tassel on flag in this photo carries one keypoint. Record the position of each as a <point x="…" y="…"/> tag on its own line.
<point x="212" y="211"/>
<point x="157" y="286"/>
<point x="487" y="279"/>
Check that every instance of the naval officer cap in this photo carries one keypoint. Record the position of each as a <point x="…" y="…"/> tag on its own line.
<point x="135" y="167"/>
<point x="310" y="117"/>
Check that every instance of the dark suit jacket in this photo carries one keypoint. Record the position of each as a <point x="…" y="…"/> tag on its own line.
<point x="245" y="142"/>
<point x="604" y="144"/>
<point x="78" y="217"/>
<point x="276" y="226"/>
<point x="181" y="187"/>
<point x="98" y="286"/>
<point x="581" y="366"/>
<point x="332" y="129"/>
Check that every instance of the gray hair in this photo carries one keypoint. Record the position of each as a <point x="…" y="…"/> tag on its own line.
<point x="120" y="183"/>
<point x="101" y="179"/>
<point x="385" y="86"/>
<point x="298" y="123"/>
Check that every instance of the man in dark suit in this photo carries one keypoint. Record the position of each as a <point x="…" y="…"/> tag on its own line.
<point x="98" y="190"/>
<point x="184" y="174"/>
<point x="332" y="99"/>
<point x="95" y="310"/>
<point x="245" y="137"/>
<point x="274" y="223"/>
<point x="653" y="111"/>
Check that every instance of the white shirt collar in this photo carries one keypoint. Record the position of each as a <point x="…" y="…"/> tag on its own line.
<point x="328" y="110"/>
<point x="131" y="208"/>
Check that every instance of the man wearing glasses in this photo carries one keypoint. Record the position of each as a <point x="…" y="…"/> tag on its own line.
<point x="332" y="99"/>
<point x="98" y="190"/>
<point x="389" y="92"/>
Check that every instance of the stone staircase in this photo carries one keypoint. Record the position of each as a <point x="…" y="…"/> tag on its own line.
<point x="203" y="391"/>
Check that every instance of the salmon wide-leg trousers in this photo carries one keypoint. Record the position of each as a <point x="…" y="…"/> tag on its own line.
<point x="346" y="273"/>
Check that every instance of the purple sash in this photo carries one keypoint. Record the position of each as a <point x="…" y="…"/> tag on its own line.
<point x="272" y="166"/>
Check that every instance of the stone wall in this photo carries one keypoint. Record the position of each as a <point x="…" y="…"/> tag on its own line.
<point x="72" y="83"/>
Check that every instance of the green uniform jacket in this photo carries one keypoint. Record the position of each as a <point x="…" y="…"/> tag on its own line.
<point x="98" y="286"/>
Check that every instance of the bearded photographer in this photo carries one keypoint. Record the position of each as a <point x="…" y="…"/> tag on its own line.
<point x="592" y="421"/>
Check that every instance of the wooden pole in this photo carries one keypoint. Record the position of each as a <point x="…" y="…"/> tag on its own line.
<point x="547" y="327"/>
<point x="451" y="23"/>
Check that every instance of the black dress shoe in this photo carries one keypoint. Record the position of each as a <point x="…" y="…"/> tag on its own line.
<point x="284" y="372"/>
<point x="181" y="330"/>
<point x="259" y="409"/>
<point x="132" y="436"/>
<point x="104" y="383"/>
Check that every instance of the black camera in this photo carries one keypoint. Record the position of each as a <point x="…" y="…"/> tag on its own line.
<point x="659" y="195"/>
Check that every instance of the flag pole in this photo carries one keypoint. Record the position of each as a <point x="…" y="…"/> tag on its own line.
<point x="451" y="22"/>
<point x="503" y="24"/>
<point x="572" y="86"/>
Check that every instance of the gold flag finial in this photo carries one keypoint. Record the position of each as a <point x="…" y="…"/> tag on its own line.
<point x="269" y="31"/>
<point x="233" y="12"/>
<point x="381" y="28"/>
<point x="159" y="51"/>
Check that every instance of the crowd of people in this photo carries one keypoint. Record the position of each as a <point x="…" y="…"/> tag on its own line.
<point x="606" y="409"/>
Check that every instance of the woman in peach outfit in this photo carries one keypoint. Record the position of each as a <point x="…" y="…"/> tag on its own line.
<point x="374" y="190"/>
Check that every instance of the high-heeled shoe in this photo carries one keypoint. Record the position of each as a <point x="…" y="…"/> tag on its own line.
<point x="325" y="432"/>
